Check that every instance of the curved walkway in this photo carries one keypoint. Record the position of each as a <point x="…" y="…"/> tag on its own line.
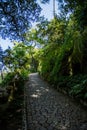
<point x="48" y="109"/>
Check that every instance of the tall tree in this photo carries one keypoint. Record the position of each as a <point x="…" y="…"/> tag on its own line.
<point x="78" y="8"/>
<point x="54" y="8"/>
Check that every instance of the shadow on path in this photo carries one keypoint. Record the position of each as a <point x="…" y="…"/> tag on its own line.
<point x="48" y="109"/>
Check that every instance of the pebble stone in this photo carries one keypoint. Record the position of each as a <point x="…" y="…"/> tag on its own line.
<point x="48" y="109"/>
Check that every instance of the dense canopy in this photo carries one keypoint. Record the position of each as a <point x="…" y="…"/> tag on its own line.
<point x="16" y="17"/>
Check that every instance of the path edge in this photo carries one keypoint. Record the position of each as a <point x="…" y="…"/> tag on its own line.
<point x="24" y="112"/>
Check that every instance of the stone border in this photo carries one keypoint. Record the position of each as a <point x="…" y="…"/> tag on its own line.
<point x="24" y="117"/>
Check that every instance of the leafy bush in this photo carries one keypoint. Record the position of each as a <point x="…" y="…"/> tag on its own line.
<point x="15" y="77"/>
<point x="75" y="86"/>
<point x="8" y="78"/>
<point x="79" y="90"/>
<point x="24" y="74"/>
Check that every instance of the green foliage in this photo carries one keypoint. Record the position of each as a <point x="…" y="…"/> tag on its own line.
<point x="8" y="78"/>
<point x="75" y="86"/>
<point x="15" y="79"/>
<point x="61" y="65"/>
<point x="24" y="74"/>
<point x="80" y="90"/>
<point x="19" y="61"/>
<point x="17" y="58"/>
<point x="47" y="59"/>
<point x="85" y="96"/>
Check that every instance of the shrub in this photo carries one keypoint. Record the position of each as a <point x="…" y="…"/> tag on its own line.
<point x="76" y="86"/>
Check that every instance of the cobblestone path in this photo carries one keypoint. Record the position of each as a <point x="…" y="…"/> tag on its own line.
<point x="48" y="109"/>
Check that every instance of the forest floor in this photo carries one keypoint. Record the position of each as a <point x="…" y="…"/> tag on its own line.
<point x="48" y="109"/>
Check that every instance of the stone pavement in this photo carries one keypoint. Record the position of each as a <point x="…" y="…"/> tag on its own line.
<point x="48" y="109"/>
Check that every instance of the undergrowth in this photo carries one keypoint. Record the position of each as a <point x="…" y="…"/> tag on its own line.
<point x="11" y="112"/>
<point x="75" y="86"/>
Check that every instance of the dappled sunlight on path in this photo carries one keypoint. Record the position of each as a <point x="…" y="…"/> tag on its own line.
<point x="48" y="109"/>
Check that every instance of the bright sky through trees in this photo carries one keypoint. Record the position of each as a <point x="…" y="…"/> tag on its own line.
<point x="5" y="43"/>
<point x="47" y="11"/>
